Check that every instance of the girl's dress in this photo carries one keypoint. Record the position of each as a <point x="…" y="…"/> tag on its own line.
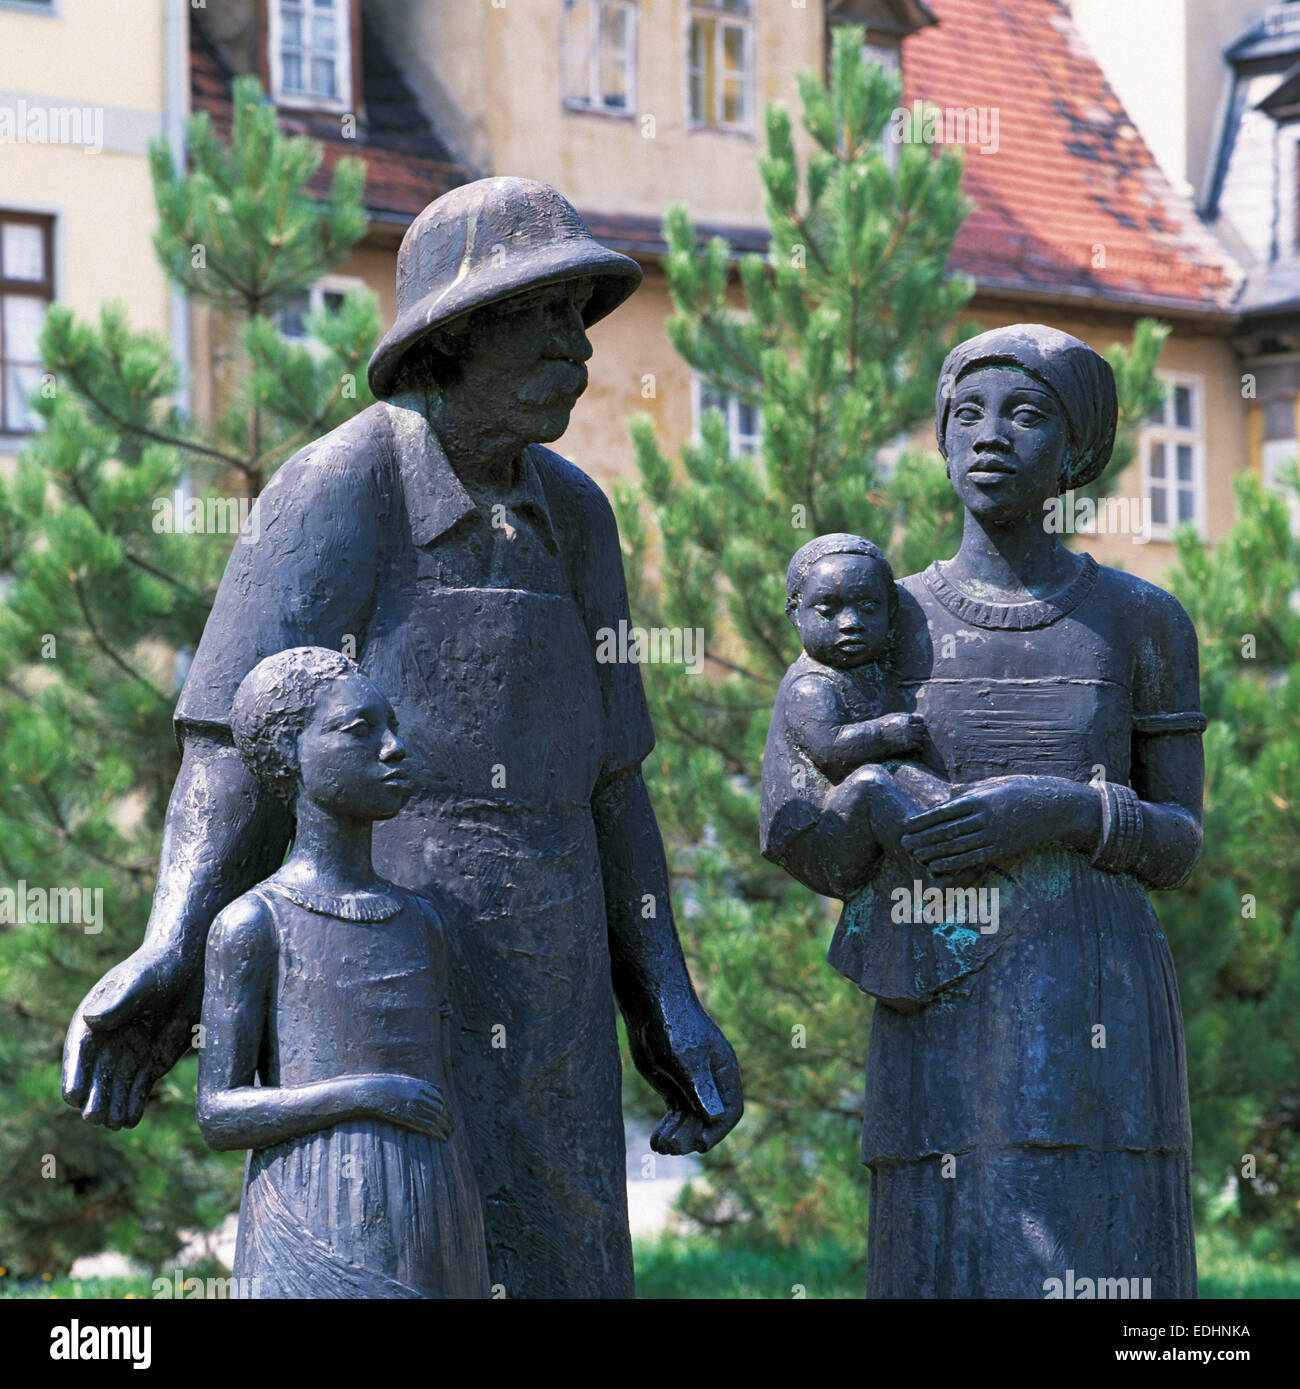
<point x="1028" y="1119"/>
<point x="363" y="1209"/>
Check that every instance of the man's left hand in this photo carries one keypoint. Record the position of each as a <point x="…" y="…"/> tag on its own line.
<point x="692" y="1065"/>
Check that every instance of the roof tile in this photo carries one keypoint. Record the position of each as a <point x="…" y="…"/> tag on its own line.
<point x="1068" y="196"/>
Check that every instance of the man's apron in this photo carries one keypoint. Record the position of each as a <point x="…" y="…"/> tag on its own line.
<point x="504" y="729"/>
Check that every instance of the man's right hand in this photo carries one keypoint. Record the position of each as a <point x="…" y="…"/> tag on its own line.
<point x="130" y="1029"/>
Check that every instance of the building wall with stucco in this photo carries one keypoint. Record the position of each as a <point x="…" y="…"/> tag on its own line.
<point x="107" y="65"/>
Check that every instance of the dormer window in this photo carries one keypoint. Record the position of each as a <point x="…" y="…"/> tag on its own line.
<point x="310" y="53"/>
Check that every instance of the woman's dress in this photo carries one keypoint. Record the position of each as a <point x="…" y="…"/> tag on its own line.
<point x="1028" y="1119"/>
<point x="366" y="1208"/>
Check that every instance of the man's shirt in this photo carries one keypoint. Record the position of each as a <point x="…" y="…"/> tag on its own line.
<point x="355" y="528"/>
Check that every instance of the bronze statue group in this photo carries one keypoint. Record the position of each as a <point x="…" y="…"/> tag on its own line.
<point x="409" y="1020"/>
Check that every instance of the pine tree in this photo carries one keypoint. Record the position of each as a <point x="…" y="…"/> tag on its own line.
<point x="113" y="535"/>
<point x="839" y="343"/>
<point x="1235" y="929"/>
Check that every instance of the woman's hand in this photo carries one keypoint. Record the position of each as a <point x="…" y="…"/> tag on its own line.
<point x="1000" y="818"/>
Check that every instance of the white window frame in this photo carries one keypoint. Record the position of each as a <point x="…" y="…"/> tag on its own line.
<point x="311" y="101"/>
<point x="738" y="444"/>
<point x="1171" y="435"/>
<point x="327" y="284"/>
<point x="575" y="52"/>
<point x="51" y="222"/>
<point x="723" y="20"/>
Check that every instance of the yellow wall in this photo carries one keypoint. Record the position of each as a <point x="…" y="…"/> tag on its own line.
<point x="631" y="343"/>
<point x="104" y="219"/>
<point x="108" y="52"/>
<point x="492" y="78"/>
<point x="109" y="57"/>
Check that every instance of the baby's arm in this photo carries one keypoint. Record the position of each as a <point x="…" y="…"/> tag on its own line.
<point x="232" y="1112"/>
<point x="836" y="748"/>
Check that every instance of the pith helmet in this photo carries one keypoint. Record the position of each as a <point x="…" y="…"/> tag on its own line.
<point x="483" y="242"/>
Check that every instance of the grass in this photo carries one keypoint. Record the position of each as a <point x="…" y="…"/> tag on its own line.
<point x="692" y="1266"/>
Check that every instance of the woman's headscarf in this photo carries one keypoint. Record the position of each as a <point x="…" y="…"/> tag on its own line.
<point x="1080" y="378"/>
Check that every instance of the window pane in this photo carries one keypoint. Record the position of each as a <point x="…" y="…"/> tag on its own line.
<point x="291" y="22"/>
<point x="22" y="326"/>
<point x="711" y="399"/>
<point x="613" y="59"/>
<point x="324" y="4"/>
<point x="1184" y="456"/>
<point x="697" y="98"/>
<point x="1183" y="407"/>
<point x="733" y="48"/>
<point x="1157" y="465"/>
<point x="333" y="300"/>
<point x="1186" y="505"/>
<point x="322" y="76"/>
<point x="881" y="54"/>
<point x="1157" y="416"/>
<point x="19" y="383"/>
<point x="613" y="85"/>
<point x="23" y="251"/>
<point x="615" y="42"/>
<point x="1159" y="507"/>
<point x="290" y="318"/>
<point x="614" y="26"/>
<point x="746" y="417"/>
<point x="733" y="102"/>
<point x="703" y="75"/>
<point x="291" y="72"/>
<point x="322" y="36"/>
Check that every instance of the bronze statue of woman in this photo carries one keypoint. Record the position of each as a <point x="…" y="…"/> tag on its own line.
<point x="1026" y="1104"/>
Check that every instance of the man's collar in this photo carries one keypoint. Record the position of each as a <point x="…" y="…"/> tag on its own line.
<point x="436" y="498"/>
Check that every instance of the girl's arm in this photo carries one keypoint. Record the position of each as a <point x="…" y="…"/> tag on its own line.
<point x="232" y="1112"/>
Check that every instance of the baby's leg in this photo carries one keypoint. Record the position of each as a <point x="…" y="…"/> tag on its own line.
<point x="927" y="788"/>
<point x="864" y="815"/>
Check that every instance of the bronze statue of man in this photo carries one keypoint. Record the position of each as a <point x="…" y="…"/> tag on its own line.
<point x="469" y="570"/>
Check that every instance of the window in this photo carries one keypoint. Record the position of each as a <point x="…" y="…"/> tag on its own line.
<point x="1279" y="458"/>
<point x="720" y="64"/>
<point x="310" y="53"/>
<point x="327" y="294"/>
<point x="884" y="54"/>
<point x="26" y="288"/>
<point x="1173" y="458"/>
<point x="744" y="419"/>
<point x="599" y="52"/>
<point x="1295" y="199"/>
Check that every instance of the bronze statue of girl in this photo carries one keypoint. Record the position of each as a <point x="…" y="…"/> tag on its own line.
<point x="329" y="985"/>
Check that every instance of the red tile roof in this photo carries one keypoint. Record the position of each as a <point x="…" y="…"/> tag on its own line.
<point x="405" y="169"/>
<point x="1071" y="180"/>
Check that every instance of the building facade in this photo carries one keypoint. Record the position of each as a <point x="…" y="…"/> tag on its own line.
<point x="630" y="105"/>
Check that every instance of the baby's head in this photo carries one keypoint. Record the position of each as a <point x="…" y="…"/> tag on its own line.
<point x="308" y="723"/>
<point x="840" y="594"/>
